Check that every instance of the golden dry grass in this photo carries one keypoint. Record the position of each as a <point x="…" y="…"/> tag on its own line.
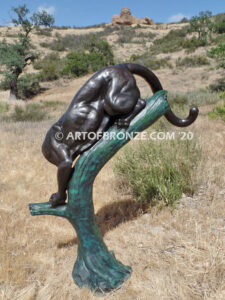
<point x="175" y="254"/>
<point x="178" y="254"/>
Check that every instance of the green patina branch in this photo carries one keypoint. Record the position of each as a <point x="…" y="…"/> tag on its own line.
<point x="96" y="267"/>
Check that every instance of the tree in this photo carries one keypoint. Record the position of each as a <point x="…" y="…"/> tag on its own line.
<point x="42" y="18"/>
<point x="202" y="25"/>
<point x="14" y="57"/>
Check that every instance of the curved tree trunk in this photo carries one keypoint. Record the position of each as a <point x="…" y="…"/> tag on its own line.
<point x="96" y="267"/>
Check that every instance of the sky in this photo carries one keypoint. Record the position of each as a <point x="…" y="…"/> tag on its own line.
<point x="86" y="12"/>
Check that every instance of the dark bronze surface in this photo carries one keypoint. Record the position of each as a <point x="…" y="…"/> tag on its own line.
<point x="110" y="96"/>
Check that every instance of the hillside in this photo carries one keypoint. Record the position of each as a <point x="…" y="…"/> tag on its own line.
<point x="176" y="252"/>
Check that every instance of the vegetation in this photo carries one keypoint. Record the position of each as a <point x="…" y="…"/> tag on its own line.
<point x="173" y="41"/>
<point x="79" y="63"/>
<point x="30" y="112"/>
<point x="218" y="52"/>
<point x="202" y="25"/>
<point x="129" y="35"/>
<point x="158" y="172"/>
<point x="195" y="97"/>
<point x="50" y="67"/>
<point x="219" y="23"/>
<point x="218" y="112"/>
<point x="192" y="61"/>
<point x="28" y="86"/>
<point x="4" y="107"/>
<point x="14" y="57"/>
<point x="89" y="54"/>
<point x="218" y="86"/>
<point x="151" y="62"/>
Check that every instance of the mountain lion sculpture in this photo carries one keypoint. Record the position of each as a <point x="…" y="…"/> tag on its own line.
<point x="110" y="96"/>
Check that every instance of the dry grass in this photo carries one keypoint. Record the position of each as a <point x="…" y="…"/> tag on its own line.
<point x="175" y="254"/>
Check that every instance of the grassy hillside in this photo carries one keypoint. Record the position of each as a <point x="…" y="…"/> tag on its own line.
<point x="176" y="249"/>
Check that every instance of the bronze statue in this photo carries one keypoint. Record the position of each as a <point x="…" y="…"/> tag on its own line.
<point x="108" y="102"/>
<point x="110" y="96"/>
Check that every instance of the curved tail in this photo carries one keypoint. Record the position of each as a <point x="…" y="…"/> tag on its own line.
<point x="156" y="86"/>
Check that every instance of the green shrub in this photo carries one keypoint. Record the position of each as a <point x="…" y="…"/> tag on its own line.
<point x="79" y="43"/>
<point x="76" y="64"/>
<point x="4" y="108"/>
<point x="218" y="52"/>
<point x="80" y="63"/>
<point x="196" y="98"/>
<point x="218" y="86"/>
<point x="158" y="173"/>
<point x="126" y="35"/>
<point x="202" y="26"/>
<point x="151" y="62"/>
<point x="44" y="31"/>
<point x="52" y="104"/>
<point x="91" y="54"/>
<point x="219" y="24"/>
<point x="192" y="61"/>
<point x="30" y="112"/>
<point x="28" y="86"/>
<point x="192" y="44"/>
<point x="173" y="41"/>
<point x="218" y="112"/>
<point x="177" y="99"/>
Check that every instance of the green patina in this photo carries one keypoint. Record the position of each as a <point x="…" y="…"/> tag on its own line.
<point x="96" y="267"/>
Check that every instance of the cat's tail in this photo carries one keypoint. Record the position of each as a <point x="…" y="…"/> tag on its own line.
<point x="156" y="86"/>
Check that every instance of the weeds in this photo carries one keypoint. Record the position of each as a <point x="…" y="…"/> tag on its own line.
<point x="218" y="86"/>
<point x="158" y="173"/>
<point x="197" y="98"/>
<point x="192" y="61"/>
<point x="151" y="62"/>
<point x="30" y="112"/>
<point x="4" y="108"/>
<point x="218" y="53"/>
<point x="171" y="42"/>
<point x="218" y="112"/>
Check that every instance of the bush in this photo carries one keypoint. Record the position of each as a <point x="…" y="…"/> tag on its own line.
<point x="80" y="63"/>
<point x="4" y="108"/>
<point x="218" y="112"/>
<point x="173" y="41"/>
<point x="126" y="35"/>
<point x="52" y="104"/>
<point x="93" y="55"/>
<point x="31" y="112"/>
<point x="192" y="44"/>
<point x="158" y="173"/>
<point x="219" y="24"/>
<point x="50" y="66"/>
<point x="192" y="61"/>
<point x="28" y="86"/>
<point x="151" y="62"/>
<point x="197" y="98"/>
<point x="219" y="86"/>
<point x="76" y="64"/>
<point x="79" y="43"/>
<point x="44" y="31"/>
<point x="218" y="53"/>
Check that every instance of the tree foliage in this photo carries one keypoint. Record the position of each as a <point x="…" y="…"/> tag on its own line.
<point x="202" y="25"/>
<point x="42" y="18"/>
<point x="14" y="57"/>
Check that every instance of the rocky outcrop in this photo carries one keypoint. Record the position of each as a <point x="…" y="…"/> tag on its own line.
<point x="126" y="18"/>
